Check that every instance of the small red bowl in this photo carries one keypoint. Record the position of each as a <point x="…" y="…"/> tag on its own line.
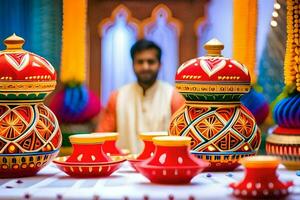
<point x="84" y="170"/>
<point x="170" y="174"/>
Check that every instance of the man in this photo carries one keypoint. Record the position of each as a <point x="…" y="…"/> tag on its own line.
<point x="146" y="105"/>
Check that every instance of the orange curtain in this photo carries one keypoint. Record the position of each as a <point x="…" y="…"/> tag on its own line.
<point x="73" y="61"/>
<point x="244" y="34"/>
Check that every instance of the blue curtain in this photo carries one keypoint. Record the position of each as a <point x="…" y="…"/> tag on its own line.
<point x="39" y="22"/>
<point x="14" y="20"/>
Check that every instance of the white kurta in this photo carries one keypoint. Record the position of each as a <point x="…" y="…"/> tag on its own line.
<point x="138" y="112"/>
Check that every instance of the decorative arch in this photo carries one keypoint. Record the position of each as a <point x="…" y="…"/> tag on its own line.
<point x="120" y="11"/>
<point x="118" y="33"/>
<point x="212" y="27"/>
<point x="165" y="30"/>
<point x="200" y="27"/>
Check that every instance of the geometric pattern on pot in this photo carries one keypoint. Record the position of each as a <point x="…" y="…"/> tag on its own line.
<point x="217" y="129"/>
<point x="28" y="128"/>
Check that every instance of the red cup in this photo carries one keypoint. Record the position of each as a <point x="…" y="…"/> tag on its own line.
<point x="149" y="147"/>
<point x="110" y="146"/>
<point x="87" y="148"/>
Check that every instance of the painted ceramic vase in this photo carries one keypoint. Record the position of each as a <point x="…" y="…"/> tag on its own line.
<point x="171" y="162"/>
<point x="284" y="140"/>
<point x="221" y="128"/>
<point x="261" y="180"/>
<point x="29" y="132"/>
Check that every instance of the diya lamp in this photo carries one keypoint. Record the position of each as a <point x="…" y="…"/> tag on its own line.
<point x="171" y="162"/>
<point x="148" y="149"/>
<point x="221" y="128"/>
<point x="260" y="179"/>
<point x="110" y="146"/>
<point x="88" y="158"/>
<point x="30" y="135"/>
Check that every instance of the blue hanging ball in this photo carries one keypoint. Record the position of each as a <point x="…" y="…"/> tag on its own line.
<point x="257" y="104"/>
<point x="75" y="104"/>
<point x="287" y="112"/>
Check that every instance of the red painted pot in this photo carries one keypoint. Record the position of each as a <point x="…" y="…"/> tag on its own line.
<point x="110" y="147"/>
<point x="260" y="179"/>
<point x="87" y="148"/>
<point x="88" y="159"/>
<point x="148" y="149"/>
<point x="171" y="162"/>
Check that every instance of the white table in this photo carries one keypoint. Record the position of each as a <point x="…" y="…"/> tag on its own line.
<point x="50" y="183"/>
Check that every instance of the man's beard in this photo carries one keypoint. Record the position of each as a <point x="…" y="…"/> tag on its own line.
<point x="147" y="81"/>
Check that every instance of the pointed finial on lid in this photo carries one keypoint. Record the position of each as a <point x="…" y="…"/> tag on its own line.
<point x="14" y="42"/>
<point x="214" y="47"/>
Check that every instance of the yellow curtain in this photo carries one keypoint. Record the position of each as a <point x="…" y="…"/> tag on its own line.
<point x="244" y="34"/>
<point x="73" y="41"/>
<point x="291" y="60"/>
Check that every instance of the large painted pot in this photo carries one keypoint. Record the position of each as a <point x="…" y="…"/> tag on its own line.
<point x="221" y="128"/>
<point x="29" y="132"/>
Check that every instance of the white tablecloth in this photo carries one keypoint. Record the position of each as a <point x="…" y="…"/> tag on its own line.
<point x="50" y="183"/>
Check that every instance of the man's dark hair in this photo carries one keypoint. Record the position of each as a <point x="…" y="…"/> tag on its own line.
<point x="144" y="44"/>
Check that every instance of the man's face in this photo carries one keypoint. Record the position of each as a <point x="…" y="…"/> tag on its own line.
<point x="146" y="66"/>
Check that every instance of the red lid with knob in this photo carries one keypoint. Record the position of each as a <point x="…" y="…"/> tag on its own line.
<point x="23" y="72"/>
<point x="213" y="73"/>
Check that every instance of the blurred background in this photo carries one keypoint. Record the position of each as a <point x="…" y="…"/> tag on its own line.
<point x="180" y="27"/>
